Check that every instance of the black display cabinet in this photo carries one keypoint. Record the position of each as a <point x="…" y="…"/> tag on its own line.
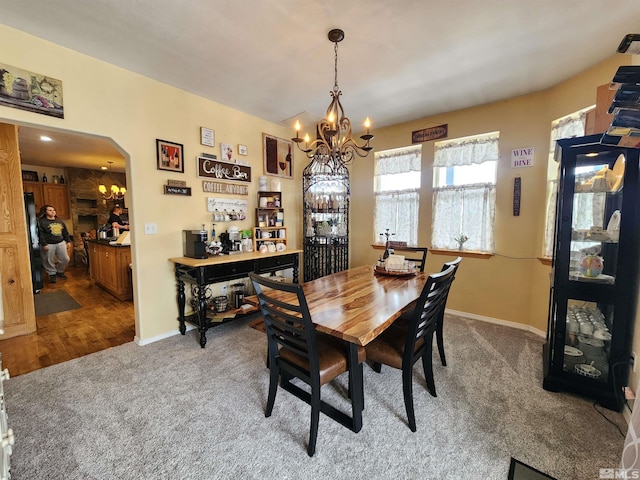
<point x="594" y="280"/>
<point x="325" y="190"/>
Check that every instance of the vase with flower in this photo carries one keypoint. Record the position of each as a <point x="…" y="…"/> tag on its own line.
<point x="461" y="239"/>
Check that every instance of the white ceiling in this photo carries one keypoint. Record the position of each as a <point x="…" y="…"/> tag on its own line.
<point x="400" y="60"/>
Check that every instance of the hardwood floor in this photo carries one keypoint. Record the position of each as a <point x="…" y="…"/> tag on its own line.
<point x="101" y="322"/>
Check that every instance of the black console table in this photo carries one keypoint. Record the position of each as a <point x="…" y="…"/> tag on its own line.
<point x="219" y="269"/>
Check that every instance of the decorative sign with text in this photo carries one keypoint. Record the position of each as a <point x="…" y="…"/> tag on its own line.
<point x="228" y="204"/>
<point x="522" y="157"/>
<point x="212" y="168"/>
<point x="225" y="188"/>
<point x="517" y="195"/>
<point x="428" y="134"/>
<point x="171" y="190"/>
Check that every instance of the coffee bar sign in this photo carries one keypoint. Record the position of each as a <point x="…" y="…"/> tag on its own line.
<point x="216" y="169"/>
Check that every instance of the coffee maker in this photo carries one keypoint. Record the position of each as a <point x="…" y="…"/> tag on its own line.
<point x="231" y="241"/>
<point x="194" y="243"/>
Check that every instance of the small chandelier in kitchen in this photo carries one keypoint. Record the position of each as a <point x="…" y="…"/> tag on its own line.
<point x="334" y="143"/>
<point x="116" y="193"/>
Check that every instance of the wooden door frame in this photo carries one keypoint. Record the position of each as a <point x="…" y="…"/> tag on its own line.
<point x="16" y="288"/>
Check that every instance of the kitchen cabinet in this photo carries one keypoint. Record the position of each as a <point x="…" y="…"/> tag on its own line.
<point x="594" y="286"/>
<point x="56" y="194"/>
<point x="326" y="194"/>
<point x="109" y="268"/>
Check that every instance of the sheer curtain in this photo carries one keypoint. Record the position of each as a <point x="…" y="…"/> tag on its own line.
<point x="467" y="209"/>
<point x="396" y="207"/>
<point x="566" y="127"/>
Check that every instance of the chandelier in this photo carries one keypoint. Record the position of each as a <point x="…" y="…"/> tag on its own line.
<point x="115" y="193"/>
<point x="334" y="143"/>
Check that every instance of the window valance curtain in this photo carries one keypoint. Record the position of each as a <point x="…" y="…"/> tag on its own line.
<point x="466" y="152"/>
<point x="400" y="160"/>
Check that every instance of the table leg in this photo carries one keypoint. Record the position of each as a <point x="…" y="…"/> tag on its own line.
<point x="181" y="303"/>
<point x="202" y="314"/>
<point x="357" y="387"/>
<point x="296" y="267"/>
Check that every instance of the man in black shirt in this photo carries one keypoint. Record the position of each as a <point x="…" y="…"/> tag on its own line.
<point x="54" y="237"/>
<point x="115" y="221"/>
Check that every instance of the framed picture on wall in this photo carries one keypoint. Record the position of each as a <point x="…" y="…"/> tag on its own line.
<point x="170" y="156"/>
<point x="278" y="158"/>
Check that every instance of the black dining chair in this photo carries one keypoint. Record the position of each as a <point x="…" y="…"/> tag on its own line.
<point x="295" y="349"/>
<point x="417" y="255"/>
<point x="440" y="326"/>
<point x="401" y="348"/>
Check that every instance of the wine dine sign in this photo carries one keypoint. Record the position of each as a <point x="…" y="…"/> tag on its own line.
<point x="522" y="157"/>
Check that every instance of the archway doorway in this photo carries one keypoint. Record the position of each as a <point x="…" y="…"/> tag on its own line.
<point x="102" y="321"/>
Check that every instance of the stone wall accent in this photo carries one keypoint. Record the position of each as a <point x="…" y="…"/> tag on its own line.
<point x="88" y="208"/>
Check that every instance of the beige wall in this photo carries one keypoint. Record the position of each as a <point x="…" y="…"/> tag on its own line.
<point x="512" y="285"/>
<point x="133" y="111"/>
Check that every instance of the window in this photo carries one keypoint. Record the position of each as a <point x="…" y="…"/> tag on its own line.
<point x="464" y="192"/>
<point x="565" y="127"/>
<point x="396" y="187"/>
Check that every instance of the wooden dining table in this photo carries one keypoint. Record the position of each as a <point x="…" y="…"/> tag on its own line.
<point x="357" y="305"/>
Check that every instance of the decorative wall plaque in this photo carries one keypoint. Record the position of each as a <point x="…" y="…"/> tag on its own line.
<point x="428" y="134"/>
<point x="211" y="168"/>
<point x="225" y="188"/>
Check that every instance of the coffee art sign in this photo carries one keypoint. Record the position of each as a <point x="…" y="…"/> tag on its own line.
<point x="212" y="168"/>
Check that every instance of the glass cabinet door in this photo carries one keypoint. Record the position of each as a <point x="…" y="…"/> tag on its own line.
<point x="595" y="219"/>
<point x="588" y="341"/>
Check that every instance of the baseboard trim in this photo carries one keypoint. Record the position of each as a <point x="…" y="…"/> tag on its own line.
<point x="497" y="321"/>
<point x="472" y="316"/>
<point x="170" y="333"/>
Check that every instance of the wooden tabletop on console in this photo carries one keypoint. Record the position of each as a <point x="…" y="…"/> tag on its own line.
<point x="220" y="259"/>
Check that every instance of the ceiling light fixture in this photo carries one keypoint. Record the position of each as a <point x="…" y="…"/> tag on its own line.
<point x="44" y="138"/>
<point x="334" y="143"/>
<point x="116" y="193"/>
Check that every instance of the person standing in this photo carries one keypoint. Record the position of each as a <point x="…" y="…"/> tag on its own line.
<point x="115" y="221"/>
<point x="54" y="237"/>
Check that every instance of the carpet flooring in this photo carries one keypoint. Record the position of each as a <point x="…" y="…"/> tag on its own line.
<point x="48" y="303"/>
<point x="174" y="410"/>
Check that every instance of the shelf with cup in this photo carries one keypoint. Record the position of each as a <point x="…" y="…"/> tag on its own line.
<point x="269" y="239"/>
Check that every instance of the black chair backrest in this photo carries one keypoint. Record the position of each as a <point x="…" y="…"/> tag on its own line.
<point x="425" y="315"/>
<point x="287" y="321"/>
<point x="455" y="264"/>
<point x="417" y="255"/>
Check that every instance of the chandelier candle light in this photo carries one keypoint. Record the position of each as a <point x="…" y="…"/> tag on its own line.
<point x="334" y="142"/>
<point x="117" y="193"/>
